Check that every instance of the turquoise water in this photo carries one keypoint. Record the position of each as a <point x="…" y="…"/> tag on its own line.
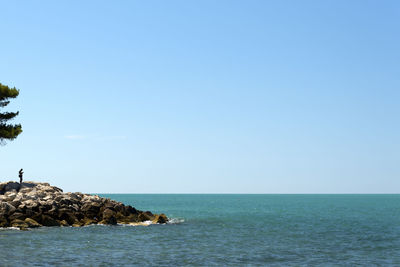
<point x="225" y="230"/>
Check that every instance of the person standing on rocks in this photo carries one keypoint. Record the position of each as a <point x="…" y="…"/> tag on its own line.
<point x="21" y="173"/>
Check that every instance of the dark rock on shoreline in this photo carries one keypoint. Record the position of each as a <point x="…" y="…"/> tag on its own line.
<point x="33" y="204"/>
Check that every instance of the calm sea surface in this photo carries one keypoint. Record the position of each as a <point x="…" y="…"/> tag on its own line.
<point x="222" y="230"/>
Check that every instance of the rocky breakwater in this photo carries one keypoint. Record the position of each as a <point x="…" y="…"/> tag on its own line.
<point x="33" y="204"/>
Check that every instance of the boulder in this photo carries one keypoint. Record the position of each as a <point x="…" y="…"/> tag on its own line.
<point x="25" y="190"/>
<point x="30" y="204"/>
<point x="68" y="216"/>
<point x="17" y="216"/>
<point x="19" y="224"/>
<point x="160" y="218"/>
<point x="10" y="195"/>
<point x="144" y="216"/>
<point x="77" y="224"/>
<point x="39" y="204"/>
<point x="87" y="221"/>
<point x="130" y="210"/>
<point x="64" y="223"/>
<point x="16" y="202"/>
<point x="46" y="220"/>
<point x="6" y="208"/>
<point x="128" y="219"/>
<point x="91" y="209"/>
<point x="3" y="222"/>
<point x="32" y="223"/>
<point x="28" y="185"/>
<point x="109" y="217"/>
<point x="10" y="186"/>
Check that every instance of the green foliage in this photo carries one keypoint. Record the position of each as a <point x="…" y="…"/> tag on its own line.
<point x="8" y="131"/>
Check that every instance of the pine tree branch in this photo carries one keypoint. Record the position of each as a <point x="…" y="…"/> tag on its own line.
<point x="4" y="103"/>
<point x="10" y="132"/>
<point x="7" y="116"/>
<point x="7" y="92"/>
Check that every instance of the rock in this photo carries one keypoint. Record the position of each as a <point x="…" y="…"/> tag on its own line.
<point x="64" y="223"/>
<point x="130" y="210"/>
<point x="109" y="216"/>
<point x="12" y="186"/>
<point x="110" y="206"/>
<point x="30" y="204"/>
<point x="148" y="213"/>
<point x="77" y="224"/>
<point x="128" y="219"/>
<point x="57" y="189"/>
<point x="10" y="195"/>
<point x="15" y="203"/>
<point x="25" y="190"/>
<point x="108" y="213"/>
<point x="6" y="208"/>
<point x="92" y="210"/>
<point x="32" y="223"/>
<point x="68" y="216"/>
<point x="39" y="204"/>
<point x="17" y="216"/>
<point x="53" y="211"/>
<point x="2" y="188"/>
<point x="120" y="217"/>
<point x="49" y="221"/>
<point x="161" y="218"/>
<point x="144" y="216"/>
<point x="19" y="223"/>
<point x="28" y="185"/>
<point x="87" y="221"/>
<point x="3" y="222"/>
<point x="45" y="205"/>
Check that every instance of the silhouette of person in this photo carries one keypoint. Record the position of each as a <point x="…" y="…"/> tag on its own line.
<point x="21" y="173"/>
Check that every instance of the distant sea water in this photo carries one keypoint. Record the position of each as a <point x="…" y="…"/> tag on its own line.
<point x="225" y="230"/>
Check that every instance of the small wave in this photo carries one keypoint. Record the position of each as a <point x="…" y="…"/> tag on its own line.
<point x="145" y="223"/>
<point x="175" y="221"/>
<point x="9" y="228"/>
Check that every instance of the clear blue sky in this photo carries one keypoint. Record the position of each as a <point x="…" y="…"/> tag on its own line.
<point x="204" y="96"/>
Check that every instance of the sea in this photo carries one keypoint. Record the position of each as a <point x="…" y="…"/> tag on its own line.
<point x="224" y="230"/>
